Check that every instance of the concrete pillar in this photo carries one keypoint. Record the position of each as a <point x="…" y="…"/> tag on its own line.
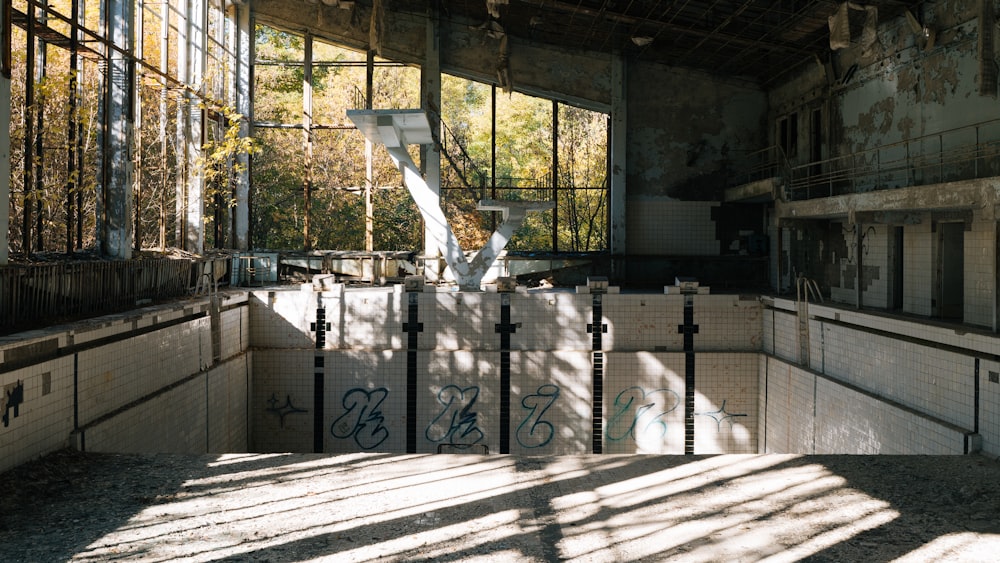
<point x="244" y="106"/>
<point x="115" y="188"/>
<point x="369" y="156"/>
<point x="617" y="148"/>
<point x="430" y="101"/>
<point x="307" y="141"/>
<point x="164" y="91"/>
<point x="4" y="141"/>
<point x="198" y="37"/>
<point x="183" y="26"/>
<point x="137" y="181"/>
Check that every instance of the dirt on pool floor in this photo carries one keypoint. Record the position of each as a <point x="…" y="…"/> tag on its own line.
<point x="71" y="506"/>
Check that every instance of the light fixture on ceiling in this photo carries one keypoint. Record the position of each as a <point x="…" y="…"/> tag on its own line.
<point x="642" y="41"/>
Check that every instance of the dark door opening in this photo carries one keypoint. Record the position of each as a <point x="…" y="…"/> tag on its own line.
<point x="951" y="237"/>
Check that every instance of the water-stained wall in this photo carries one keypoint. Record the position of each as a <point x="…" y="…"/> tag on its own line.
<point x="688" y="131"/>
<point x="902" y="88"/>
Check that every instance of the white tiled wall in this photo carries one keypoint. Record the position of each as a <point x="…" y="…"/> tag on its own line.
<point x="644" y="322"/>
<point x="43" y="421"/>
<point x="851" y="422"/>
<point x="458" y="399"/>
<point x="282" y="400"/>
<point x="551" y="321"/>
<point x="174" y="422"/>
<point x="727" y="322"/>
<point x="933" y="381"/>
<point x="980" y="272"/>
<point x="228" y="395"/>
<point x="788" y="404"/>
<point x="550" y="403"/>
<point x="989" y="406"/>
<point x="160" y="390"/>
<point x="116" y="374"/>
<point x="369" y="320"/>
<point x="725" y="404"/>
<point x="366" y="401"/>
<point x="808" y="413"/>
<point x="743" y="403"/>
<point x="644" y="403"/>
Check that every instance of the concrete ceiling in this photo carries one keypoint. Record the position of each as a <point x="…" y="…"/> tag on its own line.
<point x="761" y="39"/>
<point x="563" y="48"/>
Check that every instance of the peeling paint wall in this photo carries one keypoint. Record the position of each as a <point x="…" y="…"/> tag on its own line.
<point x="687" y="131"/>
<point x="688" y="135"/>
<point x="901" y="90"/>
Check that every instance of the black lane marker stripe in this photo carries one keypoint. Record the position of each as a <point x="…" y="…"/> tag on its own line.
<point x="505" y="328"/>
<point x="320" y="327"/>
<point x="688" y="329"/>
<point x="597" y="329"/>
<point x="412" y="328"/>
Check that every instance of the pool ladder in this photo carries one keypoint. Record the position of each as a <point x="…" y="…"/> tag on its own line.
<point x="804" y="287"/>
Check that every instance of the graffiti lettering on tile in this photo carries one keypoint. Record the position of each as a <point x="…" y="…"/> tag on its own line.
<point x="362" y="420"/>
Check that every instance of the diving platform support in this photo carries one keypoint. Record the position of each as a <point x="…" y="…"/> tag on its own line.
<point x="396" y="130"/>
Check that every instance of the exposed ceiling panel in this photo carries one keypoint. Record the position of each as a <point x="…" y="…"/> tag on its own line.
<point x="759" y="39"/>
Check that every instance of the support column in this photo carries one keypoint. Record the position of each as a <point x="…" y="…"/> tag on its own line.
<point x="115" y="188"/>
<point x="182" y="122"/>
<point x="369" y="157"/>
<point x="164" y="90"/>
<point x="307" y="141"/>
<point x="73" y="165"/>
<point x="41" y="62"/>
<point x="617" y="149"/>
<point x="5" y="71"/>
<point x="140" y="7"/>
<point x="430" y="157"/>
<point x="555" y="175"/>
<point x="198" y="37"/>
<point x="28" y="160"/>
<point x="244" y="106"/>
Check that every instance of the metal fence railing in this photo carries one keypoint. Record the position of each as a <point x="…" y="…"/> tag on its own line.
<point x="761" y="164"/>
<point x="963" y="153"/>
<point x="34" y="294"/>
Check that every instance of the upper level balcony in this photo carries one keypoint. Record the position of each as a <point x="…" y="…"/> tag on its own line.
<point x="906" y="175"/>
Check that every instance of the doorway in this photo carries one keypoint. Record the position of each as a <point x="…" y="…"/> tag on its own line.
<point x="951" y="261"/>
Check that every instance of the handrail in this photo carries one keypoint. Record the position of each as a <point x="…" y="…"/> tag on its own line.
<point x="934" y="158"/>
<point x="769" y="162"/>
<point x="804" y="287"/>
<point x="463" y="164"/>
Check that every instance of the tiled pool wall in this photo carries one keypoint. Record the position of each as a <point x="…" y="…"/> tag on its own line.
<point x="876" y="384"/>
<point x="166" y="379"/>
<point x="516" y="373"/>
<point x="378" y="369"/>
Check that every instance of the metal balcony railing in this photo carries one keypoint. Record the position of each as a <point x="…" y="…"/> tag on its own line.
<point x="963" y="153"/>
<point x="762" y="164"/>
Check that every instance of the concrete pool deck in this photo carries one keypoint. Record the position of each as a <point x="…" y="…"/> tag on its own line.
<point x="380" y="507"/>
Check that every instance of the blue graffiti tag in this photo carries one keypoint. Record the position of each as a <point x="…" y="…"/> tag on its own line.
<point x="363" y="418"/>
<point x="533" y="432"/>
<point x="457" y="421"/>
<point x="639" y="411"/>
